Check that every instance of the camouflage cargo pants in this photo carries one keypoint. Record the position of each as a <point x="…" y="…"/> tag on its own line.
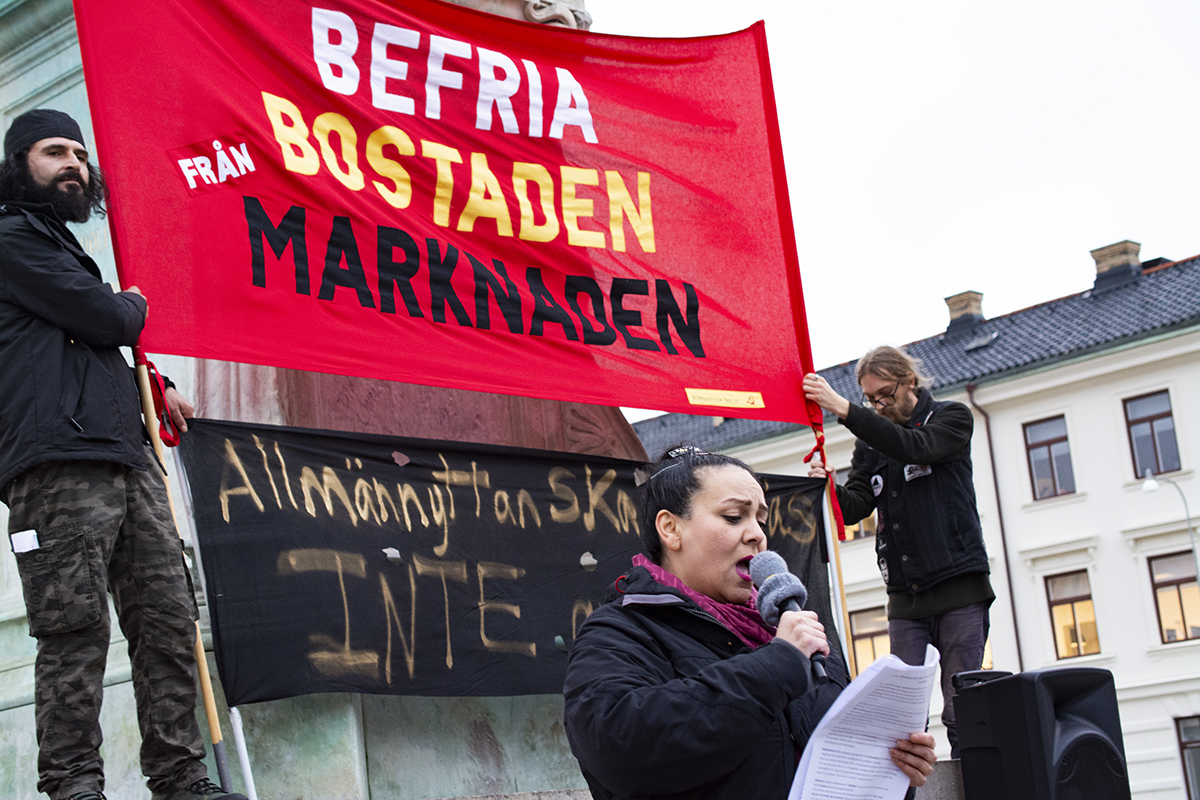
<point x="104" y="527"/>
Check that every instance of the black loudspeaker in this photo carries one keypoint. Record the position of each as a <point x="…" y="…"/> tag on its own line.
<point x="1051" y="734"/>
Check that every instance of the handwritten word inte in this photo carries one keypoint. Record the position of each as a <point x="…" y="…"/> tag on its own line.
<point x="338" y="658"/>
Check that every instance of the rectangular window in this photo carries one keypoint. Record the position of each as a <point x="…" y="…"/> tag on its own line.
<point x="1189" y="746"/>
<point x="1049" y="458"/>
<point x="1072" y="615"/>
<point x="869" y="635"/>
<point x="859" y="530"/>
<point x="1177" y="596"/>
<point x="1151" y="434"/>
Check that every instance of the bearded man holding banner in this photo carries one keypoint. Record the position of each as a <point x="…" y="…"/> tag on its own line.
<point x="88" y="509"/>
<point x="912" y="464"/>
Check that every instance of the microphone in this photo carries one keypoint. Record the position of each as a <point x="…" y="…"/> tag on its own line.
<point x="779" y="591"/>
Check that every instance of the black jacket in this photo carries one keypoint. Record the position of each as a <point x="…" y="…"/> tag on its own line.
<point x="66" y="392"/>
<point x="918" y="476"/>
<point x="663" y="701"/>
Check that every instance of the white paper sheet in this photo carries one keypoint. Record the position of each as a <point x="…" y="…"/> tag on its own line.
<point x="23" y="541"/>
<point x="847" y="757"/>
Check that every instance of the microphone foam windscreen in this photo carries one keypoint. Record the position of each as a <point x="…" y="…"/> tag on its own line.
<point x="776" y="586"/>
<point x="764" y="565"/>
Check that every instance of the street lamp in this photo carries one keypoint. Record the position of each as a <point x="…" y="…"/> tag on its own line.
<point x="1150" y="484"/>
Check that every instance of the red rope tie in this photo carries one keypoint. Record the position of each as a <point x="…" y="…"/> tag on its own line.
<point x="167" y="432"/>
<point x="819" y="447"/>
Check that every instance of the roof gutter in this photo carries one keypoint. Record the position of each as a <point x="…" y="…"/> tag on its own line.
<point x="1012" y="600"/>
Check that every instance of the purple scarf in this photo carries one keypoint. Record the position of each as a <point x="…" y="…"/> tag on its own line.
<point x="743" y="620"/>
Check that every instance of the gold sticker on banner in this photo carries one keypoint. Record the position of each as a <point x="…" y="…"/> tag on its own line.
<point x="725" y="398"/>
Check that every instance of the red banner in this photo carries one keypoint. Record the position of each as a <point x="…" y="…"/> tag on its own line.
<point x="430" y="194"/>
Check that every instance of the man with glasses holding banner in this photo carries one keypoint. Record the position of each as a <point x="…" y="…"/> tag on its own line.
<point x="912" y="464"/>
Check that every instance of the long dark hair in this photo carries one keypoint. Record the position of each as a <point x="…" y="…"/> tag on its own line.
<point x="672" y="484"/>
<point x="17" y="184"/>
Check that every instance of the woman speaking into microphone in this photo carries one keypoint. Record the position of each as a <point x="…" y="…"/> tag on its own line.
<point x="676" y="687"/>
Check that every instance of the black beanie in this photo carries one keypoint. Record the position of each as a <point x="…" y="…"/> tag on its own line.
<point x="41" y="123"/>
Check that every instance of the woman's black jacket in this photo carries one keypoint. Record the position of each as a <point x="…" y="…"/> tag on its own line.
<point x="663" y="701"/>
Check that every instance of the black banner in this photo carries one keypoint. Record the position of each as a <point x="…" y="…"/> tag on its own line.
<point x="342" y="562"/>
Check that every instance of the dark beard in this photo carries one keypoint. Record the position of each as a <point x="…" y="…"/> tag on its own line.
<point x="71" y="205"/>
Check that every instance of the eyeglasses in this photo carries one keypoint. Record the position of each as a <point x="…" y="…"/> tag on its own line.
<point x="883" y="401"/>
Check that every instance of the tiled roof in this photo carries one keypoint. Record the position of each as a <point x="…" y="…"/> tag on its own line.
<point x="1163" y="298"/>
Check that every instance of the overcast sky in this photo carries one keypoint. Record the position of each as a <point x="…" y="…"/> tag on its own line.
<point x="934" y="147"/>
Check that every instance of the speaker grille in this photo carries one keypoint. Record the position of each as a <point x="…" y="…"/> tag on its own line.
<point x="1090" y="769"/>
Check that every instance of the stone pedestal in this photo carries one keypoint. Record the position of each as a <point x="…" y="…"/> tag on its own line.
<point x="568" y="13"/>
<point x="944" y="784"/>
<point x="248" y="393"/>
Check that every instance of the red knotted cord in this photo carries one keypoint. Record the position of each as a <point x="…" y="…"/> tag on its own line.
<point x="819" y="449"/>
<point x="167" y="432"/>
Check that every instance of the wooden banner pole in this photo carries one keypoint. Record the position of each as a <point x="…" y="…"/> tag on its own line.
<point x="206" y="689"/>
<point x="836" y="552"/>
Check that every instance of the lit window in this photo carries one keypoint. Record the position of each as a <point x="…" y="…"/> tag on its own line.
<point x="1189" y="745"/>
<point x="1072" y="615"/>
<point x="1151" y="434"/>
<point x="863" y="528"/>
<point x="869" y="635"/>
<point x="1177" y="596"/>
<point x="1049" y="458"/>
